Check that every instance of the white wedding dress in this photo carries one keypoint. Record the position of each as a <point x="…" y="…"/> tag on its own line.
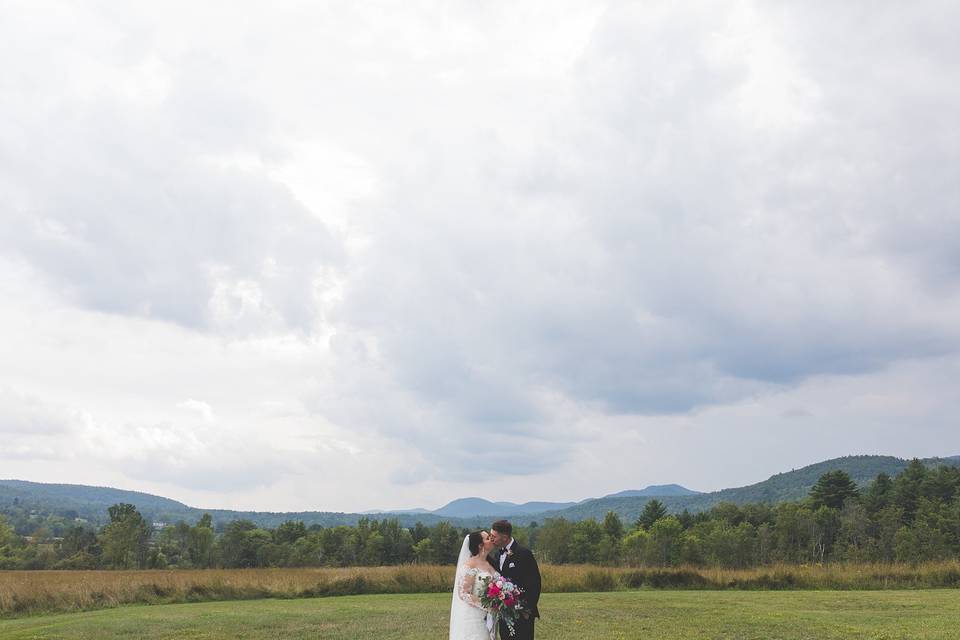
<point x="469" y="620"/>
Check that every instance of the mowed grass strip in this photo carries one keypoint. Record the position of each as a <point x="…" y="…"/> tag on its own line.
<point x="647" y="615"/>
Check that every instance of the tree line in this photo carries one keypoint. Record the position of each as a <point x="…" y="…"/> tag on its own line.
<point x="912" y="517"/>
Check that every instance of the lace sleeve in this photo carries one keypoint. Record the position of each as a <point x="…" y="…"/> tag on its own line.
<point x="465" y="591"/>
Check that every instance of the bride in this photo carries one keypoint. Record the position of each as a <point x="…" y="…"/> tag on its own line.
<point x="468" y="619"/>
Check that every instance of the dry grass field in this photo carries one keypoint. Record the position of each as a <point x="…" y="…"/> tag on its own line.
<point x="33" y="592"/>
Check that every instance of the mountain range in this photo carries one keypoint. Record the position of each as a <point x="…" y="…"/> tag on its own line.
<point x="91" y="503"/>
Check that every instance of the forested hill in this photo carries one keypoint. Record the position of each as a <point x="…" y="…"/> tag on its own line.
<point x="82" y="501"/>
<point x="790" y="485"/>
<point x="91" y="503"/>
<point x="655" y="491"/>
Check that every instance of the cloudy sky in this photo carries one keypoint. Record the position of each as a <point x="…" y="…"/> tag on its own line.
<point x="345" y="256"/>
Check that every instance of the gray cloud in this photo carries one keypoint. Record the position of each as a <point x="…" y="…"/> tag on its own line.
<point x="225" y="467"/>
<point x="685" y="231"/>
<point x="569" y="232"/>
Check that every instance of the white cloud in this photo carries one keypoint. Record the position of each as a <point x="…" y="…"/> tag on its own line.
<point x="22" y="414"/>
<point x="199" y="407"/>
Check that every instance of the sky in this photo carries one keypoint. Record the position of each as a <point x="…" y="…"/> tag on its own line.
<point x="348" y="256"/>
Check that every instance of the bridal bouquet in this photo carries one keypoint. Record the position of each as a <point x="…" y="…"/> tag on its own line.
<point x="502" y="597"/>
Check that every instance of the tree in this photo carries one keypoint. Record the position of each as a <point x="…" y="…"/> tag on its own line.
<point x="397" y="542"/>
<point x="419" y="532"/>
<point x="907" y="489"/>
<point x="8" y="541"/>
<point x="174" y="540"/>
<point x="942" y="484"/>
<point x="125" y="540"/>
<point x="338" y="546"/>
<point x="888" y="523"/>
<point x="373" y="550"/>
<point x="555" y="540"/>
<point x="613" y="526"/>
<point x="878" y="494"/>
<point x="305" y="552"/>
<point x="907" y="546"/>
<point x="728" y="511"/>
<point x="7" y="537"/>
<point x="235" y="549"/>
<point x="833" y="489"/>
<point x="423" y="551"/>
<point x="791" y="532"/>
<point x="764" y="542"/>
<point x="635" y="547"/>
<point x="77" y="540"/>
<point x="446" y="542"/>
<point x="652" y="511"/>
<point x="587" y="535"/>
<point x="723" y="544"/>
<point x="200" y="543"/>
<point x="289" y="532"/>
<point x="608" y="548"/>
<point x="952" y="523"/>
<point x="259" y="545"/>
<point x="665" y="541"/>
<point x="931" y="526"/>
<point x="854" y="531"/>
<point x="824" y="529"/>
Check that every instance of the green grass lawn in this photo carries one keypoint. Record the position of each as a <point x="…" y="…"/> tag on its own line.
<point x="648" y="615"/>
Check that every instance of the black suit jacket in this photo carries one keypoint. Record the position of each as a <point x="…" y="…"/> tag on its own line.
<point x="520" y="567"/>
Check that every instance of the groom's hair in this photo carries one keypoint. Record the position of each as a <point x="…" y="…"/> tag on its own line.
<point x="504" y="527"/>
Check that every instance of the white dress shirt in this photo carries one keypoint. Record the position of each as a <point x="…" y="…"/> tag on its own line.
<point x="503" y="556"/>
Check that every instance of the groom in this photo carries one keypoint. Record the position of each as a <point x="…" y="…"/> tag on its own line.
<point x="517" y="564"/>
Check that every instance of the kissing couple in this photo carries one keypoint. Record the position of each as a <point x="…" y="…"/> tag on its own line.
<point x="497" y="586"/>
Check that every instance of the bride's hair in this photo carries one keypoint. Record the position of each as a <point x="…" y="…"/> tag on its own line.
<point x="475" y="541"/>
